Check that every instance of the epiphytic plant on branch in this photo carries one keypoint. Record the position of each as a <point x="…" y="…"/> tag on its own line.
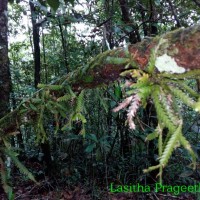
<point x="156" y="68"/>
<point x="165" y="90"/>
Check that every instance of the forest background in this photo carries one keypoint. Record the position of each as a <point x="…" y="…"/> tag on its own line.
<point x="62" y="119"/>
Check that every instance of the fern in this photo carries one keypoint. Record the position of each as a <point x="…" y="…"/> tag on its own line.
<point x="33" y="107"/>
<point x="69" y="94"/>
<point x="51" y="106"/>
<point x="41" y="134"/>
<point x="104" y="104"/>
<point x="182" y="96"/>
<point x="155" y="134"/>
<point x="144" y="94"/>
<point x="170" y="146"/>
<point x="188" y="147"/>
<point x="4" y="180"/>
<point x="66" y="97"/>
<point x="69" y="123"/>
<point x="80" y="102"/>
<point x="197" y="105"/>
<point x="36" y="100"/>
<point x="159" y="130"/>
<point x="20" y="166"/>
<point x="59" y="107"/>
<point x="76" y="114"/>
<point x="168" y="104"/>
<point x="151" y="168"/>
<point x="192" y="74"/>
<point x="188" y="89"/>
<point x="161" y="112"/>
<point x="50" y="87"/>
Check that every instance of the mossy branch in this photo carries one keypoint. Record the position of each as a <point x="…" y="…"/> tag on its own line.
<point x="152" y="80"/>
<point x="107" y="67"/>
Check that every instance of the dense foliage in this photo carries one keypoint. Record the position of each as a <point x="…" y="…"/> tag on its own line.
<point x="73" y="137"/>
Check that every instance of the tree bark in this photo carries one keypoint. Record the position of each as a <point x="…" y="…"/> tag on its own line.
<point x="45" y="147"/>
<point x="36" y="44"/>
<point x="5" y="81"/>
<point x="180" y="46"/>
<point x="134" y="35"/>
<point x="64" y="46"/>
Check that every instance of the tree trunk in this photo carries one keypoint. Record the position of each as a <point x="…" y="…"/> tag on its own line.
<point x="36" y="45"/>
<point x="5" y="81"/>
<point x="64" y="46"/>
<point x="45" y="147"/>
<point x="134" y="35"/>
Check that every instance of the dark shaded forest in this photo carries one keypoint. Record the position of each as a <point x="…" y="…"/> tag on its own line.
<point x="99" y="99"/>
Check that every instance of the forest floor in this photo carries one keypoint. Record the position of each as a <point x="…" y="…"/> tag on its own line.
<point x="54" y="189"/>
<point x="45" y="191"/>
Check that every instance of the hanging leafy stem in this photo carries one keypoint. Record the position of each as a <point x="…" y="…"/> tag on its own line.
<point x="165" y="90"/>
<point x="7" y="152"/>
<point x="69" y="106"/>
<point x="76" y="114"/>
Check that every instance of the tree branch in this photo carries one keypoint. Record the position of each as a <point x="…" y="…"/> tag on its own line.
<point x="175" y="53"/>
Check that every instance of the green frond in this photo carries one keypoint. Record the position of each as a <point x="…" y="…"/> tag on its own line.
<point x="188" y="90"/>
<point x="59" y="106"/>
<point x="66" y="97"/>
<point x="188" y="147"/>
<point x="78" y="116"/>
<point x="82" y="132"/>
<point x="197" y="106"/>
<point x="144" y="93"/>
<point x="168" y="105"/>
<point x="41" y="85"/>
<point x="182" y="96"/>
<point x="20" y="166"/>
<point x="159" y="130"/>
<point x="117" y="92"/>
<point x="23" y="111"/>
<point x="50" y="87"/>
<point x="161" y="111"/>
<point x="33" y="107"/>
<point x="104" y="104"/>
<point x="155" y="134"/>
<point x="126" y="72"/>
<point x="192" y="74"/>
<point x="152" y="136"/>
<point x="4" y="179"/>
<point x="143" y="81"/>
<point x="170" y="146"/>
<point x="151" y="168"/>
<point x="41" y="133"/>
<point x="36" y="100"/>
<point x="143" y="87"/>
<point x="69" y="90"/>
<point x="69" y="124"/>
<point x="51" y="107"/>
<point x="167" y="137"/>
<point x="80" y="102"/>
